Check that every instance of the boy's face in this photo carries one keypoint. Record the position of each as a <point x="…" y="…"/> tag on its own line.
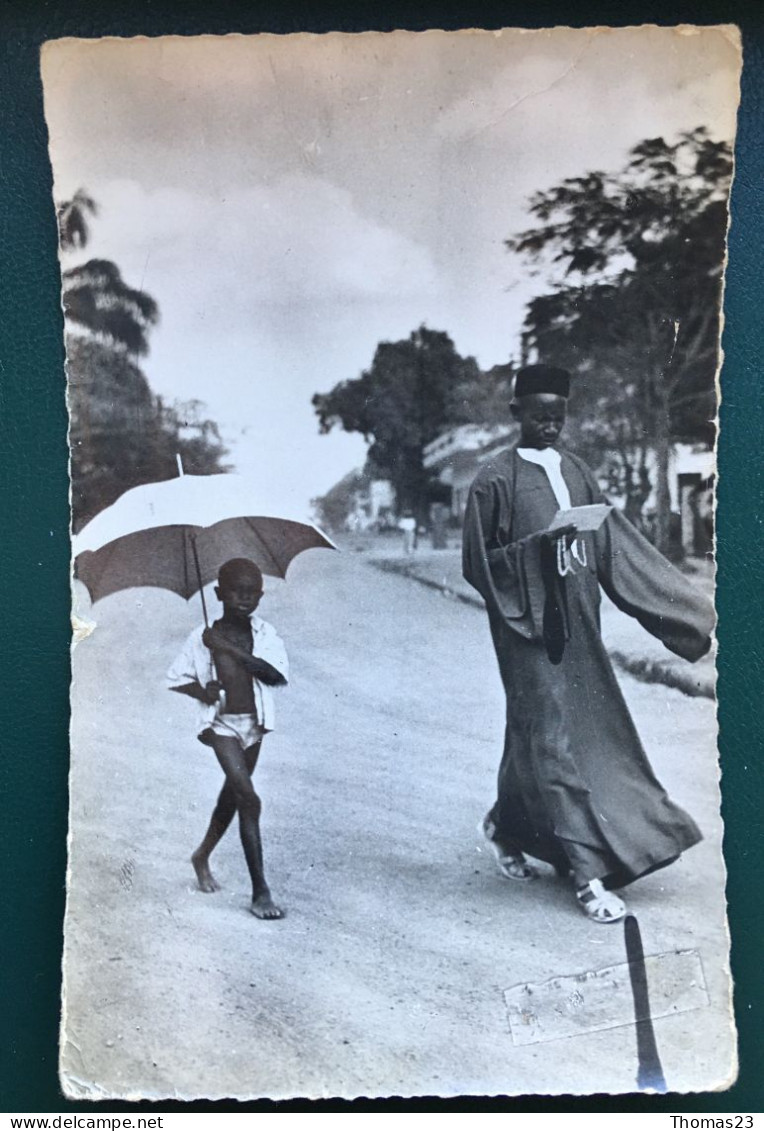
<point x="541" y="417"/>
<point x="240" y="596"/>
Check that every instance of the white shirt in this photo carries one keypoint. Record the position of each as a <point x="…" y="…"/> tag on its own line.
<point x="550" y="460"/>
<point x="193" y="664"/>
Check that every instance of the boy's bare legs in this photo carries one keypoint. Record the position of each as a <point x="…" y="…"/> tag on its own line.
<point x="222" y="815"/>
<point x="237" y="795"/>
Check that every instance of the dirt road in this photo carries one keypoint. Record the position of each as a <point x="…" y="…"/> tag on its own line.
<point x="387" y="975"/>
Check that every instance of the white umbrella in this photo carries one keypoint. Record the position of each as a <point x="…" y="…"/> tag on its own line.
<point x="176" y="534"/>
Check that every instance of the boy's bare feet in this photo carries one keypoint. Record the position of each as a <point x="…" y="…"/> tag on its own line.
<point x="204" y="876"/>
<point x="264" y="908"/>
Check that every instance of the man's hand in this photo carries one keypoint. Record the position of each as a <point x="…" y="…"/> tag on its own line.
<point x="568" y="532"/>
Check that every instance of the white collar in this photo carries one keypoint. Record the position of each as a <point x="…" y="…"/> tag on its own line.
<point x="549" y="460"/>
<point x="546" y="457"/>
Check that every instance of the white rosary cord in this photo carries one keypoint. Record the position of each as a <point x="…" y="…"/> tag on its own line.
<point x="564" y="564"/>
<point x="579" y="551"/>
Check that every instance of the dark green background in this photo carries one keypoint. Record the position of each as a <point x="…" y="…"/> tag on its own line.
<point x="35" y="557"/>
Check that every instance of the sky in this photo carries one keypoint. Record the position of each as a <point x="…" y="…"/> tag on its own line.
<point x="290" y="201"/>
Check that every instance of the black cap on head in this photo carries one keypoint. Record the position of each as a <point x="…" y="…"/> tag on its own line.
<point x="238" y="568"/>
<point x="542" y="379"/>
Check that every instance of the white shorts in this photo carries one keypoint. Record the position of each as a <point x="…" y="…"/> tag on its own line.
<point x="244" y="728"/>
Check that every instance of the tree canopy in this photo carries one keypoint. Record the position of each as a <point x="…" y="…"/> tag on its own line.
<point x="73" y="220"/>
<point x="121" y="434"/>
<point x="414" y="390"/>
<point x="96" y="299"/>
<point x="634" y="262"/>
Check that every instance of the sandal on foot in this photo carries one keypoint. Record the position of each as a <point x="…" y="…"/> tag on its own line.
<point x="516" y="868"/>
<point x="599" y="904"/>
<point x="513" y="866"/>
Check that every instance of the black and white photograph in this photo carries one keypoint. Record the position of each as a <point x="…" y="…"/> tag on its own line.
<point x="392" y="370"/>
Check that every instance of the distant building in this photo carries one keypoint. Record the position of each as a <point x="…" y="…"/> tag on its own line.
<point x="372" y="502"/>
<point x="378" y="502"/>
<point x="691" y="485"/>
<point x="456" y="456"/>
<point x="357" y="502"/>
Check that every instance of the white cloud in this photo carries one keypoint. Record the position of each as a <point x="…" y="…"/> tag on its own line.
<point x="266" y="296"/>
<point x="297" y="239"/>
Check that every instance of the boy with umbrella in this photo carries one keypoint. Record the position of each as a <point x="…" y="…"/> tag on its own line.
<point x="230" y="669"/>
<point x="170" y="535"/>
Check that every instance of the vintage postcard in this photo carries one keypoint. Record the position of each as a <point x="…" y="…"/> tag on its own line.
<point x="392" y="368"/>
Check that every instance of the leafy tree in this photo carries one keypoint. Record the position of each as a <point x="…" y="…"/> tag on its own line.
<point x="414" y="389"/>
<point x="95" y="298"/>
<point x="486" y="400"/>
<point x="635" y="260"/>
<point x="120" y="434"/>
<point x="590" y="330"/>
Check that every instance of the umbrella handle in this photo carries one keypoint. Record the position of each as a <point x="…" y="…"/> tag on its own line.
<point x="199" y="579"/>
<point x="201" y="594"/>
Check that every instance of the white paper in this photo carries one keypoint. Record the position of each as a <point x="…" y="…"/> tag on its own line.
<point x="585" y="519"/>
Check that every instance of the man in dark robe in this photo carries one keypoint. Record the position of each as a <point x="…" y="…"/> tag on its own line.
<point x="575" y="787"/>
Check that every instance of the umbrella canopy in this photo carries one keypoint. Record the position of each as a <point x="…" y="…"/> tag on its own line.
<point x="176" y="534"/>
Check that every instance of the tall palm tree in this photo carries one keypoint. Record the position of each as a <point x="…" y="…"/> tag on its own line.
<point x="95" y="297"/>
<point x="73" y="227"/>
<point x="121" y="434"/>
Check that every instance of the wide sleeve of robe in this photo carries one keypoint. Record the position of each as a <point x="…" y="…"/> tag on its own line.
<point x="643" y="584"/>
<point x="506" y="575"/>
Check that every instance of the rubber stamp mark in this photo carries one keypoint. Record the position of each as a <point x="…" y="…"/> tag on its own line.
<point x="570" y="1005"/>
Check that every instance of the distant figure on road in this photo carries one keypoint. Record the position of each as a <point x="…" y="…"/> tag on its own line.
<point x="407" y="526"/>
<point x="439" y="515"/>
<point x="230" y="669"/>
<point x="575" y="788"/>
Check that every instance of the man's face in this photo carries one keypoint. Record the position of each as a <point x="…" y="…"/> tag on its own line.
<point x="541" y="417"/>
<point x="240" y="596"/>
